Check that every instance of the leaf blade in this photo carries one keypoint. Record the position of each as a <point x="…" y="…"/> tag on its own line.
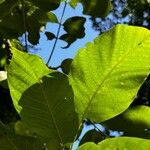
<point x="113" y="76"/>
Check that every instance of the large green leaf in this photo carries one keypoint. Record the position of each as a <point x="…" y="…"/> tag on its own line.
<point x="121" y="143"/>
<point x="133" y="122"/>
<point x="24" y="71"/>
<point x="106" y="74"/>
<point x="48" y="109"/>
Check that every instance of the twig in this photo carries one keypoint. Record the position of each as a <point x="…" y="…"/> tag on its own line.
<point x="56" y="39"/>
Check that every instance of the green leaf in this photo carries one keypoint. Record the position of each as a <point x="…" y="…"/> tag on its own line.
<point x="48" y="109"/>
<point x="11" y="26"/>
<point x="133" y="122"/>
<point x="38" y="19"/>
<point x="10" y="141"/>
<point x="46" y="5"/>
<point x="73" y="3"/>
<point x="121" y="143"/>
<point x="106" y="75"/>
<point x="67" y="38"/>
<point x="2" y="1"/>
<point x="65" y="65"/>
<point x="43" y="17"/>
<point x="75" y="26"/>
<point x="24" y="71"/>
<point x="6" y="7"/>
<point x="96" y="8"/>
<point x="50" y="36"/>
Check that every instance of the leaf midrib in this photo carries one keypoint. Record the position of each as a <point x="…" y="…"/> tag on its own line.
<point x="101" y="83"/>
<point x="51" y="114"/>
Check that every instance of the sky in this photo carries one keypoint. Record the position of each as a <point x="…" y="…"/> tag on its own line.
<point x="60" y="54"/>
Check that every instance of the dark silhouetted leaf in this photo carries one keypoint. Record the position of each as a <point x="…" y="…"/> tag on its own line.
<point x="96" y="8"/>
<point x="50" y="36"/>
<point x="75" y="26"/>
<point x="46" y="5"/>
<point x="65" y="65"/>
<point x="67" y="38"/>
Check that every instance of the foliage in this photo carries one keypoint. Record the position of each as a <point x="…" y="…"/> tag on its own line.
<point x="98" y="85"/>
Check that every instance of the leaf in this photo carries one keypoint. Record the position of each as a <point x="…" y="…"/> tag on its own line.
<point x="65" y="65"/>
<point x="38" y="19"/>
<point x="46" y="5"/>
<point x="6" y="7"/>
<point x="48" y="109"/>
<point x="11" y="26"/>
<point x="67" y="38"/>
<point x="43" y="17"/>
<point x="75" y="26"/>
<point x="73" y="3"/>
<point x="50" y="36"/>
<point x="120" y="143"/>
<point x="96" y="8"/>
<point x="10" y="141"/>
<point x="24" y="71"/>
<point x="133" y="122"/>
<point x="106" y="75"/>
<point x="2" y="1"/>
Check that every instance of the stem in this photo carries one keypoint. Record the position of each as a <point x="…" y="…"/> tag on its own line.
<point x="24" y="24"/>
<point x="79" y="129"/>
<point x="56" y="39"/>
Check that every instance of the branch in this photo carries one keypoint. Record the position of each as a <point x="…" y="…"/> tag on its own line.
<point x="60" y="24"/>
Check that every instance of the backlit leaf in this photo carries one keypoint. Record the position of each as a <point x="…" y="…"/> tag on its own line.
<point x="24" y="71"/>
<point x="121" y="143"/>
<point x="106" y="74"/>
